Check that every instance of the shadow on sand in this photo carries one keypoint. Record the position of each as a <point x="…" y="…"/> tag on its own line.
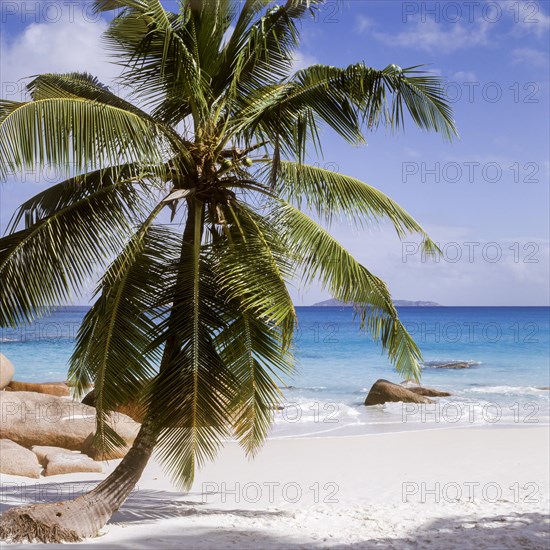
<point x="528" y="531"/>
<point x="141" y="506"/>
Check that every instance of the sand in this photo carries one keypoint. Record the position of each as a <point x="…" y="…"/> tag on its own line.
<point x="391" y="491"/>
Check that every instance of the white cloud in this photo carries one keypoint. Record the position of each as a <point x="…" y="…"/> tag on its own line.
<point x="527" y="16"/>
<point x="476" y="268"/>
<point x="473" y="269"/>
<point x="529" y="56"/>
<point x="410" y="152"/>
<point x="432" y="36"/>
<point x="465" y="76"/>
<point x="302" y="60"/>
<point x="486" y="270"/>
<point x="364" y="23"/>
<point x="520" y="18"/>
<point x="71" y="44"/>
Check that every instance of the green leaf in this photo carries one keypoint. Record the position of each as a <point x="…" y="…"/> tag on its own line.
<point x="330" y="194"/>
<point x="61" y="195"/>
<point x="346" y="100"/>
<point x="113" y="349"/>
<point x="253" y="265"/>
<point x="255" y="352"/>
<point x="321" y="257"/>
<point x="190" y="396"/>
<point x="75" y="135"/>
<point x="43" y="265"/>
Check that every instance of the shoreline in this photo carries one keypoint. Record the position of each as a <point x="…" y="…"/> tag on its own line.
<point x="429" y="428"/>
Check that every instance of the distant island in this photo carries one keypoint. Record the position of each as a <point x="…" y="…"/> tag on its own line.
<point x="398" y="303"/>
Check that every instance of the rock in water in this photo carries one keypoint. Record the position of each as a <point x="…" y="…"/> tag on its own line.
<point x="6" y="371"/>
<point x="428" y="392"/>
<point x="38" y="419"/>
<point x="70" y="463"/>
<point x="18" y="461"/>
<point x="60" y="389"/>
<point x="384" y="391"/>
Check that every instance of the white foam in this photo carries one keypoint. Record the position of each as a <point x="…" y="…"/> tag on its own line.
<point x="503" y="390"/>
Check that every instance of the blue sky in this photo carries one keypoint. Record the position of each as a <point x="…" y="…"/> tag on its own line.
<point x="484" y="198"/>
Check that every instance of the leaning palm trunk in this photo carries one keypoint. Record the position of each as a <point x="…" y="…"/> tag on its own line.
<point x="74" y="520"/>
<point x="223" y="140"/>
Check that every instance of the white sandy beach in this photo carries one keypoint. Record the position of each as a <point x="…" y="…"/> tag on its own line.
<point x="386" y="491"/>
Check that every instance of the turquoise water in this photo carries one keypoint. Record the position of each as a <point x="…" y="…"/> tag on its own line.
<point x="508" y="348"/>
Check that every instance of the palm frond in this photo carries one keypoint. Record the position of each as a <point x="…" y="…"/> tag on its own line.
<point x="75" y="135"/>
<point x="63" y="194"/>
<point x="113" y="349"/>
<point x="321" y="257"/>
<point x="190" y="396"/>
<point x="345" y="99"/>
<point x="43" y="265"/>
<point x="149" y="43"/>
<point x="253" y="266"/>
<point x="80" y="85"/>
<point x="262" y="53"/>
<point x="208" y="24"/>
<point x="330" y="194"/>
<point x="256" y="354"/>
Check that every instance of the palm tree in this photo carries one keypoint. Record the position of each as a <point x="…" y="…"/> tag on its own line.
<point x="193" y="317"/>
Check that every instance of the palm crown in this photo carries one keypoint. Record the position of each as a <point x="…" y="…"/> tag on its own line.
<point x="195" y="316"/>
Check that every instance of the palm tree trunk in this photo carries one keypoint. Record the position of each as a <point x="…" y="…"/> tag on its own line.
<point x="73" y="520"/>
<point x="83" y="517"/>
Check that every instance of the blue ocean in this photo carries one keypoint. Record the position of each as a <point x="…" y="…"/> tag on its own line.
<point x="507" y="349"/>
